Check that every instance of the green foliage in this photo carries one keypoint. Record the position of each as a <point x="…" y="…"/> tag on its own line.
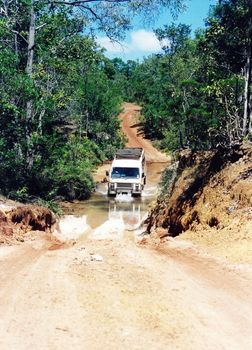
<point x="22" y="195"/>
<point x="51" y="205"/>
<point x="174" y="37"/>
<point x="69" y="174"/>
<point x="227" y="35"/>
<point x="175" y="109"/>
<point x="168" y="179"/>
<point x="75" y="104"/>
<point x="170" y="140"/>
<point x="194" y="94"/>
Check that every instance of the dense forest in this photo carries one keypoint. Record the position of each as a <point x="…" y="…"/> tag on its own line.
<point x="60" y="96"/>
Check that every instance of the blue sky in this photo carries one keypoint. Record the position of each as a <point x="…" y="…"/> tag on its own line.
<point x="141" y="42"/>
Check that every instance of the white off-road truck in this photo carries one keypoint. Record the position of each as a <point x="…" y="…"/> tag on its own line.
<point x="128" y="172"/>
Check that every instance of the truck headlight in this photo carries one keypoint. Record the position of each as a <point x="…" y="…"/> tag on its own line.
<point x="137" y="187"/>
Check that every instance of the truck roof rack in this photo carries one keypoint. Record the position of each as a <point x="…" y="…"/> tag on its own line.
<point x="129" y="153"/>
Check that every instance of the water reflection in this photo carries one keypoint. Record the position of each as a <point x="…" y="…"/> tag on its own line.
<point x="131" y="214"/>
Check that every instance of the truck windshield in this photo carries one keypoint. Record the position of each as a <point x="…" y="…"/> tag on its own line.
<point x="118" y="173"/>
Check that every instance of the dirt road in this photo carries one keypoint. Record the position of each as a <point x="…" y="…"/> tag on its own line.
<point x="135" y="298"/>
<point x="105" y="291"/>
<point x="132" y="129"/>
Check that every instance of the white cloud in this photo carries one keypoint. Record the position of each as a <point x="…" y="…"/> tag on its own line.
<point x="144" y="41"/>
<point x="139" y="41"/>
<point x="112" y="47"/>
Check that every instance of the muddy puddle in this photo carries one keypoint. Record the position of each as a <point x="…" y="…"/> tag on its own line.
<point x="103" y="217"/>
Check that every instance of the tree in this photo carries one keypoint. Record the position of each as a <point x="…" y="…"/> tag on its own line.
<point x="174" y="37"/>
<point x="228" y="42"/>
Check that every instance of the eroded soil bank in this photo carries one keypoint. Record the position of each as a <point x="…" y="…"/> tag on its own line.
<point x="208" y="200"/>
<point x="19" y="221"/>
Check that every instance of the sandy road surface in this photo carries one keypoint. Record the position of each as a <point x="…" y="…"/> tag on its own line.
<point x="111" y="293"/>
<point x="135" y="298"/>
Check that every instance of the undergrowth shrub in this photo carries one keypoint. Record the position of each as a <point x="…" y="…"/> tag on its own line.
<point x="168" y="180"/>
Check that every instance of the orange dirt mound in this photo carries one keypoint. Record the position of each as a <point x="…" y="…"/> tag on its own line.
<point x="210" y="202"/>
<point x="16" y="222"/>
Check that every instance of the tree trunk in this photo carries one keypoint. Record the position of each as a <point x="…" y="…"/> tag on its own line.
<point x="247" y="75"/>
<point x="250" y="123"/>
<point x="29" y="105"/>
<point x="31" y="41"/>
<point x="246" y="96"/>
<point x="250" y="67"/>
<point x="40" y="122"/>
<point x="16" y="44"/>
<point x="250" y="99"/>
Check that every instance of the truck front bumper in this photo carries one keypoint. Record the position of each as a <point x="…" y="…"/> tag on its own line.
<point x="124" y="188"/>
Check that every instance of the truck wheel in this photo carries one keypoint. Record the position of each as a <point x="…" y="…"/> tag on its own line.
<point x="111" y="194"/>
<point x="136" y="195"/>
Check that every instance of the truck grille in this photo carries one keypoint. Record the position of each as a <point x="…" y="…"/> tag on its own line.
<point x="124" y="185"/>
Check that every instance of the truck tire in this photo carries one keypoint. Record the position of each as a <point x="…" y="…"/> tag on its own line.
<point x="136" y="195"/>
<point x="111" y="194"/>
